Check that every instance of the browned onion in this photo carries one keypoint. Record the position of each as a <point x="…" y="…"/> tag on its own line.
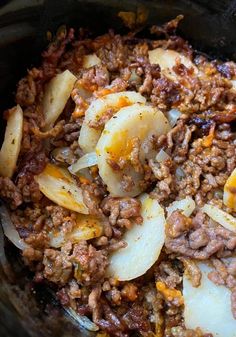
<point x="83" y="321"/>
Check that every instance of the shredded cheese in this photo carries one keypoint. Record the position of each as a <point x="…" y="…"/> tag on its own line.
<point x="168" y="293"/>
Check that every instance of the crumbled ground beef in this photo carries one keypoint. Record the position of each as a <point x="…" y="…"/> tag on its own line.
<point x="92" y="195"/>
<point x="26" y="91"/>
<point x="203" y="241"/>
<point x="194" y="169"/>
<point x="177" y="224"/>
<point x="58" y="268"/>
<point x="192" y="270"/>
<point x="60" y="217"/>
<point x="115" y="54"/>
<point x="233" y="303"/>
<point x="52" y="56"/>
<point x="10" y="192"/>
<point x="122" y="210"/>
<point x="33" y="164"/>
<point x="201" y="149"/>
<point x="91" y="263"/>
<point x="168" y="273"/>
<point x="224" y="274"/>
<point x="136" y="319"/>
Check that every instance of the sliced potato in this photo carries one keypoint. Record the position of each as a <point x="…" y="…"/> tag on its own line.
<point x="57" y="184"/>
<point x="208" y="306"/>
<point x="144" y="243"/>
<point x="113" y="102"/>
<point x="91" y="60"/>
<point x="230" y="191"/>
<point x="116" y="143"/>
<point x="166" y="59"/>
<point x="12" y="142"/>
<point x="56" y="95"/>
<point x="224" y="219"/>
<point x="87" y="227"/>
<point x="186" y="205"/>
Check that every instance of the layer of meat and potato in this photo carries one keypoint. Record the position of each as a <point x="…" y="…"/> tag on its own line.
<point x="118" y="166"/>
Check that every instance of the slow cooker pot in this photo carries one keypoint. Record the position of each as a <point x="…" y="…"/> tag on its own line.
<point x="27" y="310"/>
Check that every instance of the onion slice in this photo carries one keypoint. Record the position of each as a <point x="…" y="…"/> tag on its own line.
<point x="83" y="321"/>
<point x="162" y="156"/>
<point x="88" y="160"/>
<point x="173" y="115"/>
<point x="10" y="230"/>
<point x="221" y="217"/>
<point x="186" y="206"/>
<point x="91" y="60"/>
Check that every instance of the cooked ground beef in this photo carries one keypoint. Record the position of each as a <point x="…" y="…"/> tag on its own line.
<point x="177" y="224"/>
<point x="58" y="268"/>
<point x="91" y="263"/>
<point x="122" y="210"/>
<point x="202" y="241"/>
<point x="201" y="155"/>
<point x="192" y="270"/>
<point x="10" y="192"/>
<point x="233" y="302"/>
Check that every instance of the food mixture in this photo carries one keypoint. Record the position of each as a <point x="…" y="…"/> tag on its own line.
<point x="118" y="183"/>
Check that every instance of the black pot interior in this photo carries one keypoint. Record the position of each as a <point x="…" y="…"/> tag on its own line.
<point x="209" y="25"/>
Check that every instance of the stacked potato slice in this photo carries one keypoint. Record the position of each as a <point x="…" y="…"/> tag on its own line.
<point x="110" y="124"/>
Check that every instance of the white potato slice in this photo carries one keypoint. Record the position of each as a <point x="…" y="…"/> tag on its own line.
<point x="113" y="102"/>
<point x="186" y="205"/>
<point x="56" y="95"/>
<point x="87" y="227"/>
<point x="144" y="243"/>
<point x="208" y="306"/>
<point x="229" y="196"/>
<point x="12" y="142"/>
<point x="166" y="59"/>
<point x="57" y="184"/>
<point x="91" y="60"/>
<point x="116" y="142"/>
<point x="221" y="217"/>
